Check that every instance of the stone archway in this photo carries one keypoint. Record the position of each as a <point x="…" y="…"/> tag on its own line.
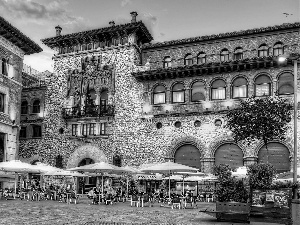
<point x="230" y="154"/>
<point x="188" y="154"/>
<point x="86" y="151"/>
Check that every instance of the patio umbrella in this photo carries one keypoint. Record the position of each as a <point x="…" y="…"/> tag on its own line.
<point x="241" y="172"/>
<point x="99" y="168"/>
<point x="17" y="166"/>
<point x="168" y="168"/>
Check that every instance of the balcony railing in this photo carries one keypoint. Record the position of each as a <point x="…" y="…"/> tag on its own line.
<point x="88" y="111"/>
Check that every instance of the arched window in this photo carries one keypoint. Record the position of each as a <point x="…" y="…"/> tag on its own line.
<point x="278" y="49"/>
<point x="218" y="89"/>
<point x="262" y="86"/>
<point x="224" y="55"/>
<point x="188" y="60"/>
<point x="24" y="107"/>
<point x="159" y="95"/>
<point x="59" y="161"/>
<point x="90" y="46"/>
<point x="2" y="102"/>
<point x="36" y="131"/>
<point x="167" y="62"/>
<point x="124" y="40"/>
<point x="201" y="58"/>
<point x="91" y="97"/>
<point x="198" y="91"/>
<point x="178" y="93"/>
<point x="36" y="106"/>
<point x="83" y="47"/>
<point x="263" y="50"/>
<point x="286" y="84"/>
<point x="238" y="54"/>
<point x="239" y="88"/>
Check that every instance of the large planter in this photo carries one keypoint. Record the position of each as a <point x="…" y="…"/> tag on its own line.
<point x="270" y="205"/>
<point x="233" y="211"/>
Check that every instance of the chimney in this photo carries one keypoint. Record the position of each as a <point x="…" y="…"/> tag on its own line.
<point x="133" y="17"/>
<point x="58" y="30"/>
<point x="112" y="23"/>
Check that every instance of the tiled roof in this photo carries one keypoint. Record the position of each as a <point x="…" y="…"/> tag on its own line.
<point x="223" y="35"/>
<point x="129" y="27"/>
<point x="19" y="39"/>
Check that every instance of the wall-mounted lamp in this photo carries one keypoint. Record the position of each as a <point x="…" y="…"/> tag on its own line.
<point x="207" y="105"/>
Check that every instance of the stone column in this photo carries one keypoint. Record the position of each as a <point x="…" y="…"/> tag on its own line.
<point x="168" y="96"/>
<point x="274" y="87"/>
<point x="207" y="164"/>
<point x="250" y="160"/>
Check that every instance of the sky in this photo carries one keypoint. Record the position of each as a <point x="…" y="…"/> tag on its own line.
<point x="165" y="19"/>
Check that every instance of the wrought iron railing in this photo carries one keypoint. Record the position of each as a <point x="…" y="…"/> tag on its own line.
<point x="88" y="111"/>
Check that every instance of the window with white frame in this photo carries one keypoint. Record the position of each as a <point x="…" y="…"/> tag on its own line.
<point x="218" y="90"/>
<point x="238" y="54"/>
<point x="188" y="60"/>
<point x="286" y="84"/>
<point x="239" y="88"/>
<point x="167" y="62"/>
<point x="201" y="58"/>
<point x="262" y="86"/>
<point x="159" y="95"/>
<point x="91" y="128"/>
<point x="178" y="93"/>
<point x="103" y="128"/>
<point x="278" y="49"/>
<point x="198" y="91"/>
<point x="74" y="129"/>
<point x="262" y="50"/>
<point x="84" y="129"/>
<point x="224" y="55"/>
<point x="36" y="108"/>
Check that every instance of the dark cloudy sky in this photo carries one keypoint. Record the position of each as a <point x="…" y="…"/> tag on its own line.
<point x="166" y="19"/>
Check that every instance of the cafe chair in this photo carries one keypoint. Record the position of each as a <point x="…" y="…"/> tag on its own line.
<point x="146" y="199"/>
<point x="135" y="200"/>
<point x="176" y="202"/>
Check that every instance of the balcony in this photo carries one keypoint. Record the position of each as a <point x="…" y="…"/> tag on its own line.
<point x="88" y="111"/>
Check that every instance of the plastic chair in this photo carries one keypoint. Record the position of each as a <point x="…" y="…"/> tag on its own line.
<point x="135" y="200"/>
<point x="176" y="202"/>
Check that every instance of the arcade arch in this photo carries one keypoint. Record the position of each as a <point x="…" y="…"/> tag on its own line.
<point x="229" y="154"/>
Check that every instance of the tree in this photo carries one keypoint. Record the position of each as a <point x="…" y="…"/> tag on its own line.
<point x="260" y="118"/>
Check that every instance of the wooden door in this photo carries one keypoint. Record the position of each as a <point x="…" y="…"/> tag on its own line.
<point x="188" y="155"/>
<point x="229" y="154"/>
<point x="279" y="156"/>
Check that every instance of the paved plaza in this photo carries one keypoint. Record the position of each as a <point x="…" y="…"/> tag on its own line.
<point x="54" y="212"/>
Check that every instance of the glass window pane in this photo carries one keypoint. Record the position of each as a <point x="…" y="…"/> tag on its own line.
<point x="159" y="98"/>
<point x="178" y="96"/>
<point x="218" y="93"/>
<point x="178" y="87"/>
<point x="240" y="91"/>
<point x="159" y="88"/>
<point x="286" y="84"/>
<point x="262" y="90"/>
<point x="218" y="83"/>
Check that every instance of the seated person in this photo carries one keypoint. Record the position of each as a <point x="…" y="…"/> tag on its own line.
<point x="91" y="193"/>
<point x="95" y="196"/>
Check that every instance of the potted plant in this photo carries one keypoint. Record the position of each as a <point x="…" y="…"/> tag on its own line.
<point x="232" y="196"/>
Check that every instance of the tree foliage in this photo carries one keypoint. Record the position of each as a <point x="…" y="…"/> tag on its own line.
<point x="229" y="188"/>
<point x="260" y="118"/>
<point x="261" y="176"/>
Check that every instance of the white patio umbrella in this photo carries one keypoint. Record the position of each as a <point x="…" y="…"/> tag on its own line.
<point x="241" y="172"/>
<point x="17" y="166"/>
<point x="99" y="168"/>
<point x="168" y="168"/>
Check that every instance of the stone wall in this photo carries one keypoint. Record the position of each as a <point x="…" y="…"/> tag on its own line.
<point x="136" y="139"/>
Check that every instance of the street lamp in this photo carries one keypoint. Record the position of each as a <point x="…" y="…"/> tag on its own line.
<point x="294" y="58"/>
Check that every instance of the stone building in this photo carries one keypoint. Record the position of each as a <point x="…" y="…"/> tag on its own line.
<point x="13" y="46"/>
<point x="116" y="97"/>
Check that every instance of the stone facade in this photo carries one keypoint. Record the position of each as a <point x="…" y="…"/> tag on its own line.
<point x="133" y="133"/>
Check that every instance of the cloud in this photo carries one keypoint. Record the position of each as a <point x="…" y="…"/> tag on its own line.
<point x="30" y="11"/>
<point x="126" y="2"/>
<point x="151" y="23"/>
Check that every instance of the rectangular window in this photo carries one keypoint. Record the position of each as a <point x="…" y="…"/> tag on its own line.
<point x="2" y="147"/>
<point x="23" y="132"/>
<point x="37" y="131"/>
<point x="238" y="56"/>
<point x="240" y="92"/>
<point x="262" y="53"/>
<point x="2" y="102"/>
<point x="91" y="128"/>
<point x="159" y="98"/>
<point x="74" y="129"/>
<point x="178" y="96"/>
<point x="224" y="58"/>
<point x="102" y="128"/>
<point x="218" y="93"/>
<point x="84" y="129"/>
<point x="262" y="89"/>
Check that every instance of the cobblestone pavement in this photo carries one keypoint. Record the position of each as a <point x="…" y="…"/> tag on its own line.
<point x="53" y="212"/>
